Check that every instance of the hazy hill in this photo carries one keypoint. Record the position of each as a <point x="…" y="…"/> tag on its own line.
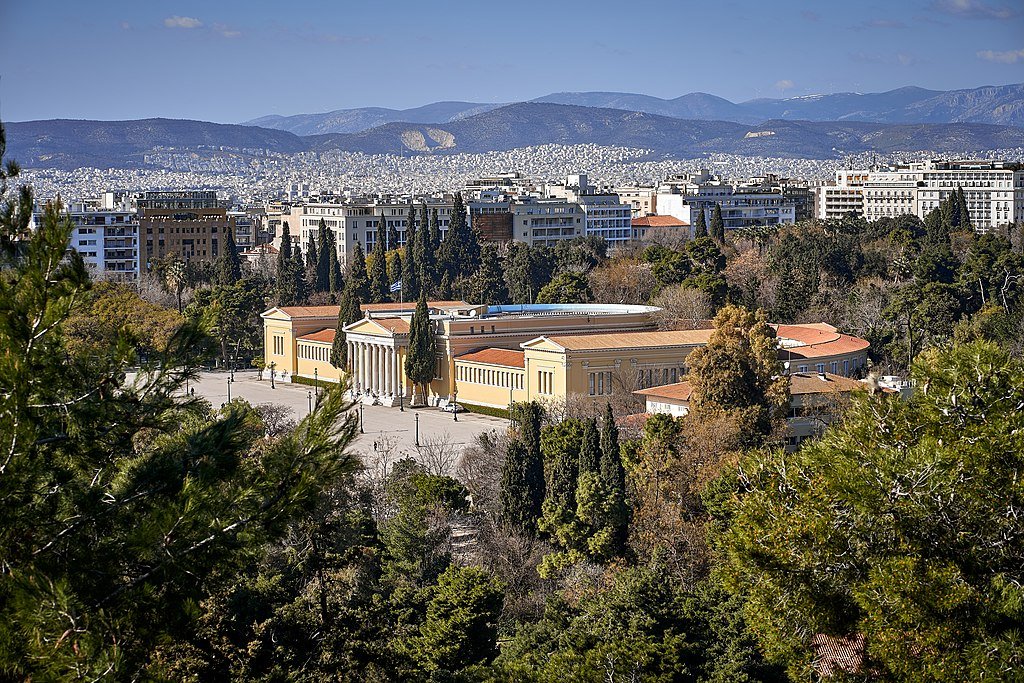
<point x="70" y="144"/>
<point x="1001" y="105"/>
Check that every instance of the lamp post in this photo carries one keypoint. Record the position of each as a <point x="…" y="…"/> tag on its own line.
<point x="229" y="389"/>
<point x="316" y="383"/>
<point x="455" y="404"/>
<point x="361" y="419"/>
<point x="309" y="402"/>
<point x="273" y="365"/>
<point x="417" y="430"/>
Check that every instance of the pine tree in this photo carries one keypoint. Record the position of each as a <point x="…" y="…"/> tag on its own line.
<point x="700" y="226"/>
<point x="348" y="313"/>
<point x="613" y="483"/>
<point x="717" y="230"/>
<point x="421" y="358"/>
<point x="410" y="226"/>
<point x="378" y="272"/>
<point x="323" y="258"/>
<point x="424" y="218"/>
<point x="459" y="254"/>
<point x="357" y="278"/>
<point x="229" y="265"/>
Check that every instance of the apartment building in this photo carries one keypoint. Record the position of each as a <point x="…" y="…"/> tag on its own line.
<point x="606" y="215"/>
<point x="743" y="204"/>
<point x="105" y="234"/>
<point x="642" y="200"/>
<point x="361" y="220"/>
<point x="842" y="198"/>
<point x="994" y="190"/>
<point x="189" y="224"/>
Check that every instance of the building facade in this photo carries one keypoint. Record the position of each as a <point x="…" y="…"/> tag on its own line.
<point x="190" y="225"/>
<point x="489" y="355"/>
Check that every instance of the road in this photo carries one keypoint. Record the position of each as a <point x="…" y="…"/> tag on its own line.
<point x="382" y="427"/>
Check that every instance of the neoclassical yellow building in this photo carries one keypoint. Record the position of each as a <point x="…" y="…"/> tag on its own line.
<point x="492" y="355"/>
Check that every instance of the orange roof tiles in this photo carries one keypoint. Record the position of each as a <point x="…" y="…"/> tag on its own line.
<point x="812" y="383"/>
<point x="818" y="340"/>
<point x="400" y="325"/>
<point x="411" y="306"/>
<point x="494" y="356"/>
<point x="631" y="340"/>
<point x="659" y="222"/>
<point x="310" y="311"/>
<point x="324" y="335"/>
<point x="680" y="391"/>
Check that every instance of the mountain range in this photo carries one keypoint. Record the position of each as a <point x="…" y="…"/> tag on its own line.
<point x="125" y="144"/>
<point x="999" y="105"/>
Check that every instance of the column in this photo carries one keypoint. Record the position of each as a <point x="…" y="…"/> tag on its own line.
<point x="399" y="384"/>
<point x="364" y="367"/>
<point x="389" y="369"/>
<point x="371" y="367"/>
<point x="379" y="359"/>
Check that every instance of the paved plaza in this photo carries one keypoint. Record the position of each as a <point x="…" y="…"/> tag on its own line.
<point x="380" y="424"/>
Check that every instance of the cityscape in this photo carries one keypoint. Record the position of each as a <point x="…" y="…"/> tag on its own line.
<point x="332" y="350"/>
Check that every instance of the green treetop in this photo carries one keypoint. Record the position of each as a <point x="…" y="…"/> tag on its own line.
<point x="421" y="358"/>
<point x="229" y="265"/>
<point x="717" y="230"/>
<point x="700" y="227"/>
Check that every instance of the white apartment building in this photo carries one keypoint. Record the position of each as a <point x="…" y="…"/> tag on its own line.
<point x="994" y="190"/>
<point x="743" y="205"/>
<point x="842" y="198"/>
<point x="606" y="215"/>
<point x="642" y="200"/>
<point x="546" y="222"/>
<point x="105" y="234"/>
<point x="358" y="220"/>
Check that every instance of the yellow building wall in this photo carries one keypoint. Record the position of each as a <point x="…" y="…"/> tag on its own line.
<point x="312" y="368"/>
<point x="489" y="390"/>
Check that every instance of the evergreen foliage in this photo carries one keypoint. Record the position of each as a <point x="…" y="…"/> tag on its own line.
<point x="487" y="286"/>
<point x="348" y="313"/>
<point x="700" y="227"/>
<point x="421" y="358"/>
<point x="717" y="229"/>
<point x="229" y="264"/>
<point x="378" y="273"/>
<point x="321" y="255"/>
<point x="567" y="288"/>
<point x="357" y="278"/>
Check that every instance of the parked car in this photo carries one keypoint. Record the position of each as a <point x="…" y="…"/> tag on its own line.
<point x="452" y="408"/>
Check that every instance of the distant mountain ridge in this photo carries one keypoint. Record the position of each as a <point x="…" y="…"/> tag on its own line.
<point x="125" y="144"/>
<point x="999" y="105"/>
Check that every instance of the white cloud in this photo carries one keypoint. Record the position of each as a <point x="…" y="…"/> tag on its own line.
<point x="182" y="22"/>
<point x="784" y="84"/>
<point x="1005" y="57"/>
<point x="974" y="9"/>
<point x="226" y="31"/>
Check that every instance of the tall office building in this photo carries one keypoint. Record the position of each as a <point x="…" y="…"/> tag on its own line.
<point x="190" y="225"/>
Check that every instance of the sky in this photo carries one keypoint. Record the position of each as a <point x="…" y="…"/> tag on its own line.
<point x="234" y="60"/>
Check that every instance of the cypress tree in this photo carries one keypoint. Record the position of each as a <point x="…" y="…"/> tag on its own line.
<point x="488" y="283"/>
<point x="435" y="231"/>
<point x="613" y="481"/>
<point x="357" y="277"/>
<point x="424" y="218"/>
<point x="323" y="258"/>
<point x="395" y="273"/>
<point x="700" y="226"/>
<point x="298" y="275"/>
<point x="284" y="290"/>
<point x="229" y="265"/>
<point x="420" y="360"/>
<point x="392" y="242"/>
<point x="334" y="280"/>
<point x="426" y="258"/>
<point x="410" y="226"/>
<point x="378" y="272"/>
<point x="459" y="255"/>
<point x="348" y="313"/>
<point x="309" y="270"/>
<point x="514" y="496"/>
<point x="965" y="213"/>
<point x="717" y="224"/>
<point x="410" y="267"/>
<point x="590" y="448"/>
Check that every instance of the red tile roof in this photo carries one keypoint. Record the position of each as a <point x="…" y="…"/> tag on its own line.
<point x="818" y="340"/>
<point x="400" y="325"/>
<point x="324" y="335"/>
<point x="493" y="356"/>
<point x="310" y="311"/>
<point x="659" y="222"/>
<point x="680" y="391"/>
<point x="411" y="306"/>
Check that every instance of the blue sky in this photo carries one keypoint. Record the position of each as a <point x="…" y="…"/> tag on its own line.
<point x="234" y="60"/>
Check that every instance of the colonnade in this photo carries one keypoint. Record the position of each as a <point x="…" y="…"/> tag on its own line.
<point x="375" y="368"/>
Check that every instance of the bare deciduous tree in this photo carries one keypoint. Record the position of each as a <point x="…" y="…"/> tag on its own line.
<point x="683" y="308"/>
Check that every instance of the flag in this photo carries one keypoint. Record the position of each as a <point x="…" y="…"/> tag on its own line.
<point x="395" y="287"/>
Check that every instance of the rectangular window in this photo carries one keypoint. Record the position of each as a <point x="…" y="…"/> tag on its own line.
<point x="590" y="383"/>
<point x="608" y="382"/>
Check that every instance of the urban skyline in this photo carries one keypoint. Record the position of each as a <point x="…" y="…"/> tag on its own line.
<point x="239" y="61"/>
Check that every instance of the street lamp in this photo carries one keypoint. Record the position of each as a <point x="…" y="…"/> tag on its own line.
<point x="316" y="383"/>
<point x="455" y="404"/>
<point x="229" y="389"/>
<point x="417" y="430"/>
<point x="361" y="419"/>
<point x="273" y="365"/>
<point x="309" y="402"/>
